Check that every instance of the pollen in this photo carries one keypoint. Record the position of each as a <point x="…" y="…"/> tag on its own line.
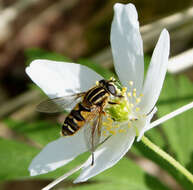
<point x="97" y="83"/>
<point x="138" y="100"/>
<point x="129" y="94"/>
<point x="131" y="83"/>
<point x="121" y="130"/>
<point x="124" y="89"/>
<point x="104" y="133"/>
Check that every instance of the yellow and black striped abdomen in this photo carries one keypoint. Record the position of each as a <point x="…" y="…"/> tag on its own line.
<point x="76" y="119"/>
<point x="85" y="110"/>
<point x="96" y="96"/>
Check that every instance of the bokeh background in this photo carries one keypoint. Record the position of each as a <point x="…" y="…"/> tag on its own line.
<point x="79" y="31"/>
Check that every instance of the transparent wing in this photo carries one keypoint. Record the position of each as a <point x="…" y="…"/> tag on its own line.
<point x="92" y="133"/>
<point x="59" y="104"/>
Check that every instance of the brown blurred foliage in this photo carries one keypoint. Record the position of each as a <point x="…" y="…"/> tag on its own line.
<point x="74" y="28"/>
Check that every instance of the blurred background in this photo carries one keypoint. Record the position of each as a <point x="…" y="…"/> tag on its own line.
<point x="79" y="31"/>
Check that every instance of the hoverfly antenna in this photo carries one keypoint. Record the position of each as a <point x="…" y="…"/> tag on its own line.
<point x="112" y="79"/>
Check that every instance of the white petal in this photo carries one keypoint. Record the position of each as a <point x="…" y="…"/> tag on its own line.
<point x="58" y="153"/>
<point x="156" y="73"/>
<point x="108" y="154"/>
<point x="127" y="45"/>
<point x="58" y="79"/>
<point x="144" y="124"/>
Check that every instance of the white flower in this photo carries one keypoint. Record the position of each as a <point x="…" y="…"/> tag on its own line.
<point x="57" y="79"/>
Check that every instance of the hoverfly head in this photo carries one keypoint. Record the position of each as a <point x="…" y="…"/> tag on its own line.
<point x="110" y="86"/>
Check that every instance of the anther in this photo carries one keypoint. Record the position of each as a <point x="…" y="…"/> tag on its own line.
<point x="129" y="94"/>
<point x="137" y="109"/>
<point x="104" y="133"/>
<point x="122" y="131"/>
<point x="138" y="100"/>
<point x="124" y="89"/>
<point x="131" y="83"/>
<point x="112" y="132"/>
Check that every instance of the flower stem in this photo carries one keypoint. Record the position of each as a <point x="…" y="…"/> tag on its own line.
<point x="171" y="115"/>
<point x="55" y="182"/>
<point x="168" y="158"/>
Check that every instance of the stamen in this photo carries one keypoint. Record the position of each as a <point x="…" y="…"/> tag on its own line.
<point x="124" y="89"/>
<point x="104" y="133"/>
<point x="112" y="132"/>
<point x="131" y="83"/>
<point x="129" y="94"/>
<point x="122" y="131"/>
<point x="138" y="100"/>
<point x="141" y="95"/>
<point x="125" y="111"/>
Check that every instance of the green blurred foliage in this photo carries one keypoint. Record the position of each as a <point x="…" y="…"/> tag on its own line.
<point x="175" y="135"/>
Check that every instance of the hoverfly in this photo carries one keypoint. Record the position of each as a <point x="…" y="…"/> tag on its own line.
<point x="88" y="110"/>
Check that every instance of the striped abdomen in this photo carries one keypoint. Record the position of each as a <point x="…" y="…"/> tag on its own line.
<point x="96" y="96"/>
<point x="76" y="119"/>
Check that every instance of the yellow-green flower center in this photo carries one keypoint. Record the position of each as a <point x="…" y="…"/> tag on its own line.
<point x="120" y="111"/>
<point x="125" y="111"/>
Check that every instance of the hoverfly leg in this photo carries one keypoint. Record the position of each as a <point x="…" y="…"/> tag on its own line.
<point x="113" y="103"/>
<point x="119" y="96"/>
<point x="92" y="163"/>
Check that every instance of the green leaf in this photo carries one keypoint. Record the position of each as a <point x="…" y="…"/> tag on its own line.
<point x="15" y="158"/>
<point x="41" y="132"/>
<point x="37" y="53"/>
<point x="124" y="175"/>
<point x="176" y="93"/>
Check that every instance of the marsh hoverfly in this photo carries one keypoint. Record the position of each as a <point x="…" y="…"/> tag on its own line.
<point x="89" y="110"/>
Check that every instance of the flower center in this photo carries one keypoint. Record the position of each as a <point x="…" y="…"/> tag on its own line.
<point x="124" y="113"/>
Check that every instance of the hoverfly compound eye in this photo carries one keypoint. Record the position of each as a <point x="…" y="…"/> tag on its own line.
<point x="111" y="88"/>
<point x="102" y="82"/>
